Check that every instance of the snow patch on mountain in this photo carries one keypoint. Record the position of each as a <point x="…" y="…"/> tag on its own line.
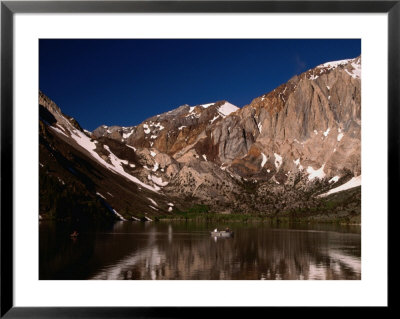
<point x="157" y="180"/>
<point x="334" y="64"/>
<point x="157" y="125"/>
<point x="278" y="160"/>
<point x="264" y="159"/>
<point x="59" y="131"/>
<point x="207" y="105"/>
<point x="319" y="173"/>
<point x="97" y="193"/>
<point x="356" y="72"/>
<point x="146" y="129"/>
<point x="119" y="215"/>
<point x="354" y="182"/>
<point x="126" y="135"/>
<point x="334" y="179"/>
<point x="191" y="109"/>
<point x="297" y="163"/>
<point x="84" y="141"/>
<point x="227" y="108"/>
<point x="156" y="166"/>
<point x="215" y="117"/>
<point x="152" y="201"/>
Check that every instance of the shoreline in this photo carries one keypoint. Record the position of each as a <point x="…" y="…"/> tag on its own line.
<point x="316" y="219"/>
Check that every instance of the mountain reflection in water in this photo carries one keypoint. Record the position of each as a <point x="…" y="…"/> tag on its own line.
<point x="185" y="250"/>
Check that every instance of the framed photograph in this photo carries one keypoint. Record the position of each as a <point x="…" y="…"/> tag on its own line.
<point x="196" y="154"/>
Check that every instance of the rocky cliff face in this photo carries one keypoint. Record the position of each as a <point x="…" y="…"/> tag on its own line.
<point x="279" y="151"/>
<point x="310" y="123"/>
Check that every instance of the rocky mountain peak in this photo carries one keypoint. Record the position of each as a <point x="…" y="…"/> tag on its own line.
<point x="51" y="113"/>
<point x="351" y="66"/>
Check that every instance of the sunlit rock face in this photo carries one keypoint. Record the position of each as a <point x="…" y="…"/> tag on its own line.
<point x="304" y="137"/>
<point x="312" y="121"/>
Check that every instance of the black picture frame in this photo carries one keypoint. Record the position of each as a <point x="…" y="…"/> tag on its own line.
<point x="9" y="8"/>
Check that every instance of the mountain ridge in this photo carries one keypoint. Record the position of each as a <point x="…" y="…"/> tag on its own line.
<point x="304" y="137"/>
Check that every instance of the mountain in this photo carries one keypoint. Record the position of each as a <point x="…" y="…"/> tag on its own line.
<point x="274" y="156"/>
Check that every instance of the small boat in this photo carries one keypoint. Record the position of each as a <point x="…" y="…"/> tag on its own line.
<point x="74" y="234"/>
<point x="222" y="233"/>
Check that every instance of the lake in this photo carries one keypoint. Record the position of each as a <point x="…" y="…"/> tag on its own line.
<point x="185" y="250"/>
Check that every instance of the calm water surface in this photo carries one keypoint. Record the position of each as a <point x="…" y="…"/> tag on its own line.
<point x="185" y="250"/>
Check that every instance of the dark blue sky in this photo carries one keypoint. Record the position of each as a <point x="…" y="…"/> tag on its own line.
<point x="123" y="82"/>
